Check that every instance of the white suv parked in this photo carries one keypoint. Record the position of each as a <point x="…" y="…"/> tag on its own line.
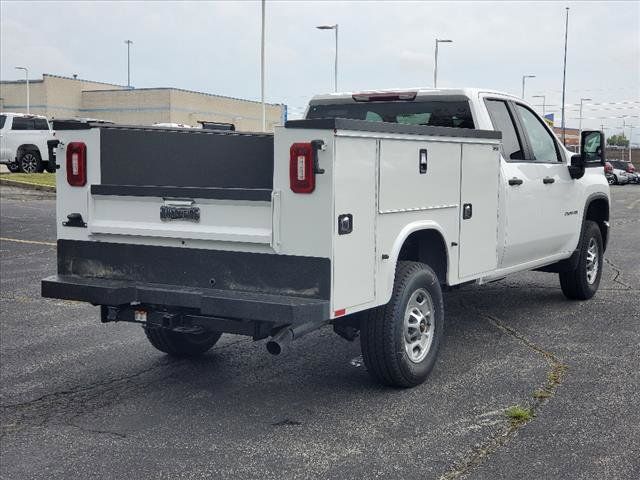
<point x="23" y="143"/>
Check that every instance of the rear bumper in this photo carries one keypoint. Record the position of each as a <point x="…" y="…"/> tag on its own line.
<point x="228" y="304"/>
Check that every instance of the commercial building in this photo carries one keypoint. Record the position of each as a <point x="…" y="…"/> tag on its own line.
<point x="56" y="96"/>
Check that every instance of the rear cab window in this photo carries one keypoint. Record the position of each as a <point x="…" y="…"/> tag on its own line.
<point x="503" y="122"/>
<point x="40" y="124"/>
<point x="432" y="113"/>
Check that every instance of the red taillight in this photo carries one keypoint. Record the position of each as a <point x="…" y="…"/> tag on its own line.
<point x="608" y="167"/>
<point x="302" y="177"/>
<point x="77" y="164"/>
<point x="631" y="168"/>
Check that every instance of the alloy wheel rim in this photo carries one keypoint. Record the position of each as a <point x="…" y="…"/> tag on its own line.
<point x="29" y="163"/>
<point x="419" y="325"/>
<point x="592" y="261"/>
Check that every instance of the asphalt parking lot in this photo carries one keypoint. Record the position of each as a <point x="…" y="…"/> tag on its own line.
<point x="80" y="399"/>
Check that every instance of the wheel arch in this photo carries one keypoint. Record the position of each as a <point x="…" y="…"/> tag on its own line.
<point x="27" y="147"/>
<point x="597" y="209"/>
<point x="422" y="242"/>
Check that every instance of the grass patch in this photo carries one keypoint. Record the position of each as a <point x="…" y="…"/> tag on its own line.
<point x="541" y="394"/>
<point x="45" y="178"/>
<point x="518" y="414"/>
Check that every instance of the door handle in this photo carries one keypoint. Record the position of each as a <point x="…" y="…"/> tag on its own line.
<point x="548" y="180"/>
<point x="515" y="181"/>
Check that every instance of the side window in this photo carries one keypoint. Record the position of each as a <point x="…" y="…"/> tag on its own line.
<point x="40" y="124"/>
<point x="3" y="118"/>
<point x="502" y="121"/>
<point x="21" y="123"/>
<point x="541" y="141"/>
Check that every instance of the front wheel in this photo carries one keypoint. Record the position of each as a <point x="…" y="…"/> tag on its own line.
<point x="582" y="282"/>
<point x="400" y="340"/>
<point x="180" y="344"/>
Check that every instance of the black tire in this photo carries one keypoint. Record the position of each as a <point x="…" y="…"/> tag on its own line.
<point x="383" y="329"/>
<point x="30" y="162"/>
<point x="180" y="344"/>
<point x="611" y="180"/>
<point x="581" y="283"/>
<point x="14" y="167"/>
<point x="50" y="166"/>
<point x="615" y="180"/>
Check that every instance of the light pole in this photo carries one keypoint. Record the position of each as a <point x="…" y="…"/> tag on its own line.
<point x="564" y="77"/>
<point x="26" y="73"/>
<point x="128" y="42"/>
<point x="264" y="110"/>
<point x="580" y="120"/>
<point x="524" y="77"/>
<point x="335" y="67"/>
<point x="544" y="100"/>
<point x="435" y="62"/>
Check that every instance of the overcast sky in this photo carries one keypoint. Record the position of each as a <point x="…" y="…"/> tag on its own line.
<point x="215" y="47"/>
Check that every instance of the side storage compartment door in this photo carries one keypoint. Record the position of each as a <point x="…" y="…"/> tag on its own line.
<point x="354" y="221"/>
<point x="479" y="179"/>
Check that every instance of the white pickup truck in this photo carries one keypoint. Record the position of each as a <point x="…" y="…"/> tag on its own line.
<point x="23" y="143"/>
<point x="356" y="216"/>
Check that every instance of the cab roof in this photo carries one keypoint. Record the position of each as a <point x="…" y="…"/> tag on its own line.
<point x="416" y="92"/>
<point x="25" y="115"/>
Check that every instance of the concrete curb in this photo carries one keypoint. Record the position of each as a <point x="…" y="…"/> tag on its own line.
<point x="27" y="185"/>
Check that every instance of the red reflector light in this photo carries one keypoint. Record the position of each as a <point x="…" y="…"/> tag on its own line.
<point x="302" y="177"/>
<point x="384" y="96"/>
<point x="339" y="313"/>
<point x="76" y="164"/>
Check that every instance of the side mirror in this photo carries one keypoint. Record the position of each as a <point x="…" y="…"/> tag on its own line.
<point x="592" y="146"/>
<point x="591" y="152"/>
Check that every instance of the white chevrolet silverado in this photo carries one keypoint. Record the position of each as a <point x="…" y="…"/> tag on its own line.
<point x="357" y="216"/>
<point x="23" y="143"/>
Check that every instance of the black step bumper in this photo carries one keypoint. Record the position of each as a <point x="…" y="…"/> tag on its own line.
<point x="230" y="304"/>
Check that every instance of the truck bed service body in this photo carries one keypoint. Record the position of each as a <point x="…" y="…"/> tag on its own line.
<point x="356" y="216"/>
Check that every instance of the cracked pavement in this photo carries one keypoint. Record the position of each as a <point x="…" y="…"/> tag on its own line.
<point x="80" y="399"/>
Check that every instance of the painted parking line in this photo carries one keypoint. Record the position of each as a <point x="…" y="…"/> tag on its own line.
<point x="33" y="242"/>
<point x="633" y="204"/>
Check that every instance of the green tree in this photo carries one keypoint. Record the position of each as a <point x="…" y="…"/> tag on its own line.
<point x="618" y="141"/>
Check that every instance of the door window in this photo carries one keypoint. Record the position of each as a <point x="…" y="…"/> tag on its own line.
<point x="22" y="123"/>
<point x="540" y="139"/>
<point x="3" y="118"/>
<point x="502" y="121"/>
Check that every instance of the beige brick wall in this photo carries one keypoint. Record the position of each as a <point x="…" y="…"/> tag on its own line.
<point x="189" y="107"/>
<point x="63" y="97"/>
<point x="14" y="97"/>
<point x="133" y="107"/>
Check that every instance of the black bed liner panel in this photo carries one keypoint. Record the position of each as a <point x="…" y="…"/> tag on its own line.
<point x="185" y="158"/>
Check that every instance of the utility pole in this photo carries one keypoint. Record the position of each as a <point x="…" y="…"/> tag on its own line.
<point x="580" y="121"/>
<point x="335" y="65"/>
<point x="564" y="77"/>
<point x="524" y="77"/>
<point x="264" y="110"/>
<point x="128" y="42"/>
<point x="435" y="62"/>
<point x="26" y="73"/>
<point x="544" y="98"/>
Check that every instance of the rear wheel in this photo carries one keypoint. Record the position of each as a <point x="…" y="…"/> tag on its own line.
<point x="582" y="282"/>
<point x="179" y="344"/>
<point x="14" y="167"/>
<point x="400" y="340"/>
<point x="30" y="162"/>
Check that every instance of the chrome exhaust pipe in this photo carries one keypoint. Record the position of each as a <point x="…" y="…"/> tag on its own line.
<point x="281" y="340"/>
